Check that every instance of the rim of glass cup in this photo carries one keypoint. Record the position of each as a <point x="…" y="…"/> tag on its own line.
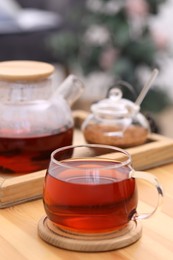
<point x="118" y="164"/>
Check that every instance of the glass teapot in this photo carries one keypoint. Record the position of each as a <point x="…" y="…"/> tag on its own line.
<point x="35" y="114"/>
<point x="116" y="121"/>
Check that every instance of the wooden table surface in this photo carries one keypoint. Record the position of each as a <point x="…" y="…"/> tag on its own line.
<point x="19" y="238"/>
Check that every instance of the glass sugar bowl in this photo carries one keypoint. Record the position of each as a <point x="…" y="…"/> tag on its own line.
<point x="116" y="121"/>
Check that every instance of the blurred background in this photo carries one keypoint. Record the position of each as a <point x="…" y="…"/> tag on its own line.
<point x="102" y="41"/>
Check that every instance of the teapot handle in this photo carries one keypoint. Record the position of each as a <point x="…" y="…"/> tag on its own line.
<point x="154" y="181"/>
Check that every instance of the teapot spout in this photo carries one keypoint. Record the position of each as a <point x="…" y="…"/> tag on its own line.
<point x="71" y="89"/>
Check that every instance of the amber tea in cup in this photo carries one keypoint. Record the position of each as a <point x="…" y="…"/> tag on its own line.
<point x="86" y="193"/>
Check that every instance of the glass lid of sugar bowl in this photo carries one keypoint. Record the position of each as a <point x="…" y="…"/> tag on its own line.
<point x="114" y="107"/>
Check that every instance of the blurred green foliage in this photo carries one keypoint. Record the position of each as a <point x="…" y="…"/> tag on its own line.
<point x="129" y="44"/>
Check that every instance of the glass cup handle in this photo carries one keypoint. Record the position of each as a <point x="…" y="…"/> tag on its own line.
<point x="154" y="181"/>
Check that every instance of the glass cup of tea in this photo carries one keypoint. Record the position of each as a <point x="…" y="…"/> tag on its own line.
<point x="91" y="189"/>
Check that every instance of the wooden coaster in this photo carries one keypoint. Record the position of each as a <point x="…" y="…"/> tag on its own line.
<point x="89" y="243"/>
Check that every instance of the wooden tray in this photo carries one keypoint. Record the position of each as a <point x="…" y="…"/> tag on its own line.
<point x="17" y="189"/>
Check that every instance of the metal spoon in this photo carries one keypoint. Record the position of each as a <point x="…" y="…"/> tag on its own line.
<point x="146" y="87"/>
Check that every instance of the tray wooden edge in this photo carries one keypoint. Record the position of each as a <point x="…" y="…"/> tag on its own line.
<point x="7" y="204"/>
<point x="156" y="153"/>
<point x="21" y="188"/>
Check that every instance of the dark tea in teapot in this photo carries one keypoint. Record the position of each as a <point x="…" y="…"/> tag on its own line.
<point x="25" y="155"/>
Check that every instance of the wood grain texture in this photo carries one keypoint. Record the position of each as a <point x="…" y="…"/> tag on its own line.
<point x="17" y="189"/>
<point x="19" y="238"/>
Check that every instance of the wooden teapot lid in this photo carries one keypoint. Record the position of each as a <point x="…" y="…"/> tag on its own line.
<point x="25" y="70"/>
